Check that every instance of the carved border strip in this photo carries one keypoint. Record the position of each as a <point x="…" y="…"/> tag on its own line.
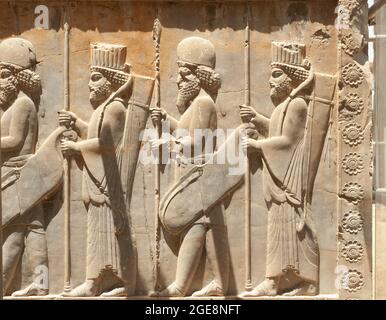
<point x="354" y="154"/>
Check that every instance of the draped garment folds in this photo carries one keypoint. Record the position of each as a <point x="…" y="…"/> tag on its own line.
<point x="288" y="247"/>
<point x="44" y="168"/>
<point x="108" y="236"/>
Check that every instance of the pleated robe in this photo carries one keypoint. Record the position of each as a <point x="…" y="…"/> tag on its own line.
<point x="284" y="189"/>
<point x="108" y="236"/>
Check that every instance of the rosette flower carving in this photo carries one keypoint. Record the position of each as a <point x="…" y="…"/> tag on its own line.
<point x="352" y="280"/>
<point x="352" y="163"/>
<point x="353" y="192"/>
<point x="351" y="43"/>
<point x="352" y="251"/>
<point x="352" y="222"/>
<point x="353" y="134"/>
<point x="353" y="103"/>
<point x="352" y="75"/>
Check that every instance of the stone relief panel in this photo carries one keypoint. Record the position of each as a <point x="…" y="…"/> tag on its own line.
<point x="176" y="149"/>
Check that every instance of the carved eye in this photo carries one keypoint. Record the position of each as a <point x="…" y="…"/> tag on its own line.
<point x="277" y="73"/>
<point x="184" y="71"/>
<point x="5" y="73"/>
<point x="96" y="76"/>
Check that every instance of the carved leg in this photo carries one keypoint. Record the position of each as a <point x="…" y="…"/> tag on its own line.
<point x="111" y="285"/>
<point x="217" y="253"/>
<point x="89" y="288"/>
<point x="117" y="292"/>
<point x="269" y="287"/>
<point x="36" y="250"/>
<point x="13" y="247"/>
<point x="305" y="289"/>
<point x="188" y="260"/>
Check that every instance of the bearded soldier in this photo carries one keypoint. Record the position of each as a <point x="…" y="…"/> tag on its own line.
<point x="291" y="155"/>
<point x="198" y="86"/>
<point x="106" y="155"/>
<point x="20" y="91"/>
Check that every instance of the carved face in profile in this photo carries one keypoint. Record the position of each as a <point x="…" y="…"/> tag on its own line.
<point x="188" y="86"/>
<point x="100" y="88"/>
<point x="281" y="85"/>
<point x="8" y="87"/>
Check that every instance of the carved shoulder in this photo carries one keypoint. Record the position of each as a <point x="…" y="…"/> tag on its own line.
<point x="206" y="105"/>
<point x="25" y="105"/>
<point x="115" y="109"/>
<point x="297" y="106"/>
<point x="295" y="120"/>
<point x="205" y="101"/>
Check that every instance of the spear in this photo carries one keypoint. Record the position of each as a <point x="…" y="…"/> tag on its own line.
<point x="66" y="170"/>
<point x="1" y="238"/>
<point x="157" y="39"/>
<point x="247" y="102"/>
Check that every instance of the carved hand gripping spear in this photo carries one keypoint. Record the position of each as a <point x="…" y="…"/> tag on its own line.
<point x="157" y="39"/>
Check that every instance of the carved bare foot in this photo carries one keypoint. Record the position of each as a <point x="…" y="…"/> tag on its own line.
<point x="171" y="291"/>
<point x="86" y="289"/>
<point x="117" y="292"/>
<point x="211" y="290"/>
<point x="306" y="289"/>
<point x="267" y="288"/>
<point x="32" y="290"/>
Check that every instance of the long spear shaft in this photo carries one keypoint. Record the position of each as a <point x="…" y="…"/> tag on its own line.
<point x="1" y="237"/>
<point x="247" y="101"/>
<point x="157" y="187"/>
<point x="66" y="170"/>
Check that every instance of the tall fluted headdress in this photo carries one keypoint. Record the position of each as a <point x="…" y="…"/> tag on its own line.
<point x="291" y="58"/>
<point x="110" y="60"/>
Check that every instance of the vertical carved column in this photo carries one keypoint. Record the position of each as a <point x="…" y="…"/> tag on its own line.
<point x="354" y="156"/>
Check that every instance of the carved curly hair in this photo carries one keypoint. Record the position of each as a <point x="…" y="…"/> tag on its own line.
<point x="27" y="80"/>
<point x="209" y="79"/>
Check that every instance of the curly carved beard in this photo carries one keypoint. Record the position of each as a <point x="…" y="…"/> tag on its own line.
<point x="187" y="91"/>
<point x="8" y="91"/>
<point x="99" y="93"/>
<point x="280" y="91"/>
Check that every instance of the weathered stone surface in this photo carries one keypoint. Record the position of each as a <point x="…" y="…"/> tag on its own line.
<point x="331" y="65"/>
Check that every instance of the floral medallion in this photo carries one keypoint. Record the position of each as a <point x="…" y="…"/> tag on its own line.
<point x="352" y="280"/>
<point x="352" y="163"/>
<point x="352" y="222"/>
<point x="352" y="75"/>
<point x="353" y="192"/>
<point x="352" y="134"/>
<point x="352" y="251"/>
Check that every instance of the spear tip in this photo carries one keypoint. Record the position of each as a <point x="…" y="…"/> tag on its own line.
<point x="157" y="29"/>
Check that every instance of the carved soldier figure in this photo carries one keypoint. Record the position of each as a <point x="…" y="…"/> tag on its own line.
<point x="198" y="85"/>
<point x="292" y="262"/>
<point x="20" y="90"/>
<point x="105" y="154"/>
